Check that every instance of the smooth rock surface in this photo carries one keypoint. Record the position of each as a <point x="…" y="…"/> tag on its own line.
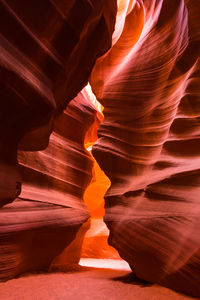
<point x="47" y="51"/>
<point x="39" y="226"/>
<point x="149" y="143"/>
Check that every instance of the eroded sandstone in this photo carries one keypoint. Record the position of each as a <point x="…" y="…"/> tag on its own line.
<point x="148" y="143"/>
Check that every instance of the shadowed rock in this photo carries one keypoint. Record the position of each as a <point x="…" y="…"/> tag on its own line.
<point x="47" y="51"/>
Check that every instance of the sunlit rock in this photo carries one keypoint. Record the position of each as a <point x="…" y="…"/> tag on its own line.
<point x="145" y="73"/>
<point x="149" y="144"/>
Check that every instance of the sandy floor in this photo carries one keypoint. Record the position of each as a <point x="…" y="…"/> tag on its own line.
<point x="86" y="284"/>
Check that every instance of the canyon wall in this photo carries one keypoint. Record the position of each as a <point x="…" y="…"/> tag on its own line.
<point x="146" y="74"/>
<point x="149" y="143"/>
<point x="47" y="51"/>
<point x="45" y="218"/>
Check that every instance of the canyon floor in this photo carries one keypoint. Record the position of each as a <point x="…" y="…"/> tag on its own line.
<point x="87" y="283"/>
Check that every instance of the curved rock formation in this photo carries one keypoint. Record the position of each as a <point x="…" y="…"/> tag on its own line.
<point x="47" y="51"/>
<point x="65" y="166"/>
<point x="149" y="143"/>
<point x="40" y="224"/>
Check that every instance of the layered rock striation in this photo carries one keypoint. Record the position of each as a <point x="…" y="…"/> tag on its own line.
<point x="49" y="212"/>
<point x="149" y="143"/>
<point x="47" y="51"/>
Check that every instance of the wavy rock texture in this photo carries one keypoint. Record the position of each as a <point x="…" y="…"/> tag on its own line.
<point x="149" y="143"/>
<point x="95" y="244"/>
<point x="65" y="166"/>
<point x="47" y="51"/>
<point x="40" y="224"/>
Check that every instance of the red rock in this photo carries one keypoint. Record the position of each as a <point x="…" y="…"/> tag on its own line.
<point x="44" y="221"/>
<point x="47" y="51"/>
<point x="149" y="143"/>
<point x="33" y="233"/>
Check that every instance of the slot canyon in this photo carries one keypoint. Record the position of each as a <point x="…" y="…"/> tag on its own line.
<point x="99" y="149"/>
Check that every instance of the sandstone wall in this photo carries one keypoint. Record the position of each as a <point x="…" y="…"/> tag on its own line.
<point x="149" y="144"/>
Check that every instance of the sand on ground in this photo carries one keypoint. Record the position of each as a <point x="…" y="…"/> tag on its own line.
<point x="86" y="283"/>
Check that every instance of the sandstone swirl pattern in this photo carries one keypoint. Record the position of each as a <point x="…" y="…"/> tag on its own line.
<point x="149" y="141"/>
<point x="47" y="51"/>
<point x="148" y="145"/>
<point x="44" y="220"/>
